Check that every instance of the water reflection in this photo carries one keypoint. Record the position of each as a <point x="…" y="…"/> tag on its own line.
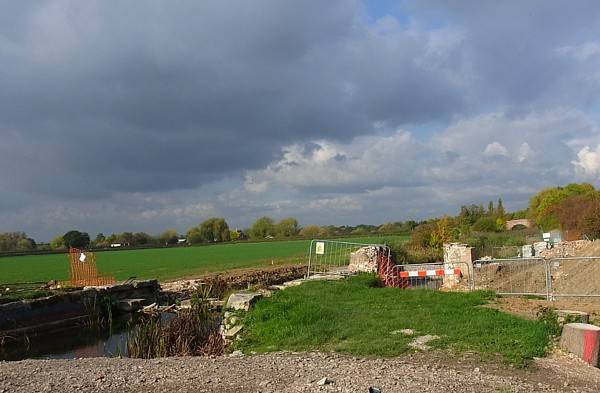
<point x="76" y="342"/>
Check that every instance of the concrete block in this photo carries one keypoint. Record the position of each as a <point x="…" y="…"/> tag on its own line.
<point x="583" y="340"/>
<point x="578" y="316"/>
<point x="130" y="305"/>
<point x="242" y="300"/>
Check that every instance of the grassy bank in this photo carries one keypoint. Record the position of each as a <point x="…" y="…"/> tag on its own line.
<point x="168" y="263"/>
<point x="357" y="317"/>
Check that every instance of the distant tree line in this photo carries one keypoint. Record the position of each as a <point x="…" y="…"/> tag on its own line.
<point x="573" y="207"/>
<point x="16" y="241"/>
<point x="212" y="230"/>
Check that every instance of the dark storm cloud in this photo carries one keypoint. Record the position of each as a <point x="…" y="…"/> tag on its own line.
<point x="101" y="97"/>
<point x="121" y="114"/>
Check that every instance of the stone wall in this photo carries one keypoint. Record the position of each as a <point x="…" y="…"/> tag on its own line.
<point x="457" y="255"/>
<point x="54" y="311"/>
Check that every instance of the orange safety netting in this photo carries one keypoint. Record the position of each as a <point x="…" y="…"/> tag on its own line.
<point x="83" y="270"/>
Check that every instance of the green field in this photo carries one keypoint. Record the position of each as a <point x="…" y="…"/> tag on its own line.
<point x="359" y="317"/>
<point x="168" y="263"/>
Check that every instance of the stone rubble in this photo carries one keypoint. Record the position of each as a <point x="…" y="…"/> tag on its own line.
<point x="295" y="373"/>
<point x="363" y="260"/>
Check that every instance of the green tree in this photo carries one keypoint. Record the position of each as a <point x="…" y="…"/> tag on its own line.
<point x="141" y="238"/>
<point x="16" y="241"/>
<point x="542" y="206"/>
<point x="500" y="212"/>
<point x="262" y="228"/>
<point x="311" y="231"/>
<point x="168" y="237"/>
<point x="215" y="229"/>
<point x="57" y="243"/>
<point x="469" y="214"/>
<point x="421" y="236"/>
<point x="76" y="239"/>
<point x="442" y="233"/>
<point x="287" y="227"/>
<point x="486" y="224"/>
<point x="126" y="238"/>
<point x="25" y="245"/>
<point x="194" y="236"/>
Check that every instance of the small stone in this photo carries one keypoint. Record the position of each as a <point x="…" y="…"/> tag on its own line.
<point x="233" y="331"/>
<point x="237" y="354"/>
<point x="324" y="381"/>
<point x="421" y="342"/>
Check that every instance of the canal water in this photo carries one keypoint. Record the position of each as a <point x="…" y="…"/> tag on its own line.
<point x="76" y="342"/>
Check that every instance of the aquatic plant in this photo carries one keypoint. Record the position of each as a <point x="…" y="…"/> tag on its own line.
<point x="191" y="332"/>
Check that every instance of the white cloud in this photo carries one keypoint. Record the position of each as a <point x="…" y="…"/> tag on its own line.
<point x="524" y="152"/>
<point x="583" y="52"/>
<point x="337" y="203"/>
<point x="495" y="149"/>
<point x="588" y="162"/>
<point x="399" y="172"/>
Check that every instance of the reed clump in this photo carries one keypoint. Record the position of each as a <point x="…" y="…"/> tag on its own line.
<point x="192" y="332"/>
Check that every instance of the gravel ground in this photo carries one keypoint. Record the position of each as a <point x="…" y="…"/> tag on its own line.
<point x="291" y="372"/>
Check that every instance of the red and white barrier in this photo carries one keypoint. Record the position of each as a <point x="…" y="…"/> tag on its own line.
<point x="430" y="273"/>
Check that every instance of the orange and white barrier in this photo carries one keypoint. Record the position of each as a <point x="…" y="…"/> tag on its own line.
<point x="430" y="273"/>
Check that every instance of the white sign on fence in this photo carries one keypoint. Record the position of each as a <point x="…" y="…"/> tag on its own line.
<point x="320" y="248"/>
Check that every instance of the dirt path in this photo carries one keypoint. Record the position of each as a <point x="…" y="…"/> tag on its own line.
<point x="288" y="372"/>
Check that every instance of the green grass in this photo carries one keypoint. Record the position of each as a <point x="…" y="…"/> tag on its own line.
<point x="357" y="317"/>
<point x="167" y="263"/>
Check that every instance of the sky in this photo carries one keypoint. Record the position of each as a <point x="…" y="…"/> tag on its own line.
<point x="142" y="116"/>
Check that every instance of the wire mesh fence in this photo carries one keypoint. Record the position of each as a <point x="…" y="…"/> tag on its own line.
<point x="548" y="278"/>
<point x="332" y="256"/>
<point x="574" y="277"/>
<point x="512" y="276"/>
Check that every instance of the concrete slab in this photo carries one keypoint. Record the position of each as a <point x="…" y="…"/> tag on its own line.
<point x="577" y="316"/>
<point x="583" y="340"/>
<point x="130" y="305"/>
<point x="242" y="300"/>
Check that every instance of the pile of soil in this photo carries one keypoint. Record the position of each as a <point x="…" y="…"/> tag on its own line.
<point x="574" y="277"/>
<point x="237" y="279"/>
<point x="512" y="277"/>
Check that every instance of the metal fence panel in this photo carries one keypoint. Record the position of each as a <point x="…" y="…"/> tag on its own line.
<point x="333" y="256"/>
<point x="574" y="277"/>
<point x="514" y="276"/>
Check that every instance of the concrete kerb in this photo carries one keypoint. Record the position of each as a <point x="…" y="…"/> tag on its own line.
<point x="583" y="340"/>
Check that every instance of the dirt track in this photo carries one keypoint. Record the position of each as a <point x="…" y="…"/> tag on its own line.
<point x="286" y="372"/>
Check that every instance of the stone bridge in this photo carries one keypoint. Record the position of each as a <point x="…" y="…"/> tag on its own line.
<point x="513" y="223"/>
